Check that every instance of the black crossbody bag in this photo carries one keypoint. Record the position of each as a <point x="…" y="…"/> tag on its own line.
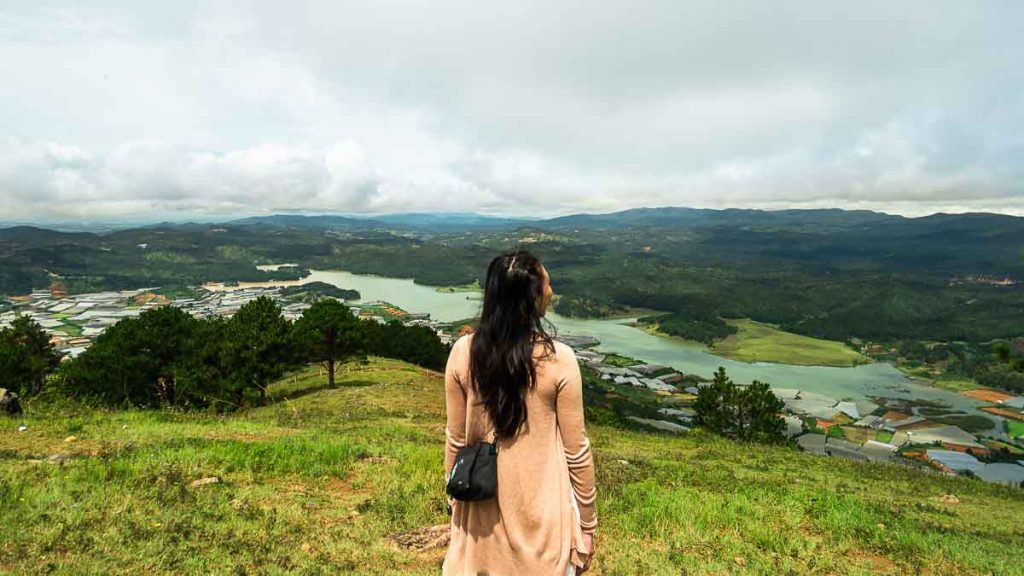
<point x="474" y="475"/>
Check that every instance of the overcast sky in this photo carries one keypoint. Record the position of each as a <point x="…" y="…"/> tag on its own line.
<point x="202" y="109"/>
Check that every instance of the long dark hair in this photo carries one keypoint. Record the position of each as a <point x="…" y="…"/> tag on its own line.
<point x="501" y="352"/>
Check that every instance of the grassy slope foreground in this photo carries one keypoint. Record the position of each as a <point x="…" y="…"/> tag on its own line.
<point x="319" y="483"/>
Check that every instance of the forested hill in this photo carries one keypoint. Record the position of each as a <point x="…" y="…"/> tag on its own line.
<point x="830" y="273"/>
<point x="422" y="222"/>
<point x="832" y="239"/>
<point x="671" y="216"/>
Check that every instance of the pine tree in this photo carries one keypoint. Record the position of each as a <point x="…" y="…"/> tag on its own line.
<point x="328" y="332"/>
<point x="257" y="348"/>
<point x="758" y="414"/>
<point x="712" y="401"/>
<point x="750" y="413"/>
<point x="136" y="361"/>
<point x="27" y="357"/>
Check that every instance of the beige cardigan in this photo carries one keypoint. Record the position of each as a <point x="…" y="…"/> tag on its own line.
<point x="530" y="526"/>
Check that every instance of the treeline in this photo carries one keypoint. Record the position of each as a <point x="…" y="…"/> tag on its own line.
<point x="830" y="275"/>
<point x="996" y="365"/>
<point x="168" y="256"/>
<point x="584" y="307"/>
<point x="312" y="291"/>
<point x="1007" y="369"/>
<point x="705" y="330"/>
<point x="165" y="357"/>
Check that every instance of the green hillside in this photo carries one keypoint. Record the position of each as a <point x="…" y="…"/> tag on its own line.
<point x="320" y="481"/>
<point x="757" y="342"/>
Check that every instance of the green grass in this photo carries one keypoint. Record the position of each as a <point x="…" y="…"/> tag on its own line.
<point x="1000" y="446"/>
<point x="70" y="329"/>
<point x="757" y="342"/>
<point x="930" y="412"/>
<point x="1016" y="428"/>
<point x="973" y="423"/>
<point x="951" y="383"/>
<point x="317" y="482"/>
<point x="954" y="384"/>
<point x="620" y="361"/>
<point x="884" y="436"/>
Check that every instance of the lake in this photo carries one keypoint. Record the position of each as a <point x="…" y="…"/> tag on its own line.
<point x="860" y="382"/>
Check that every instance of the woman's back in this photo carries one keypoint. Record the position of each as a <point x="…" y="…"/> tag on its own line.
<point x="530" y="527"/>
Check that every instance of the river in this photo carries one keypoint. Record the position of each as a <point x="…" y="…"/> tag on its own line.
<point x="857" y="383"/>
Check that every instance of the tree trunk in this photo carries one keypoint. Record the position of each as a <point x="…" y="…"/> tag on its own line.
<point x="330" y="370"/>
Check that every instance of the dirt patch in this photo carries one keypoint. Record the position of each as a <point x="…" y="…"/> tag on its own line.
<point x="987" y="395"/>
<point x="423" y="539"/>
<point x="878" y="564"/>
<point x="28" y="445"/>
<point x="251" y="437"/>
<point x="1004" y="413"/>
<point x="296" y="488"/>
<point x="894" y="416"/>
<point x="922" y="425"/>
<point x="347" y="487"/>
<point x="338" y="485"/>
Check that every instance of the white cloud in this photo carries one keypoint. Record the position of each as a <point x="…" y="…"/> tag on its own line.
<point x="110" y="112"/>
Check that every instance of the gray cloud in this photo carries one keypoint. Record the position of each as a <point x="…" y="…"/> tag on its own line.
<point x="110" y="111"/>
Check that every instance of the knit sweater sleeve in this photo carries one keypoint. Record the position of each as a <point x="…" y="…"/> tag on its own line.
<point x="454" y="404"/>
<point x="575" y="440"/>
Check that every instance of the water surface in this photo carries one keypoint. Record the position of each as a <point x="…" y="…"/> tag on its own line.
<point x="854" y="383"/>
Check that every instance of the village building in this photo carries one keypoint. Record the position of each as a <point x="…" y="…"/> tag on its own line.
<point x="649" y="369"/>
<point x="953" y="460"/>
<point x="875" y="451"/>
<point x="671" y="378"/>
<point x="656" y="384"/>
<point x="945" y="435"/>
<point x="1009" y="474"/>
<point x="841" y="448"/>
<point x="794" y="425"/>
<point x="590" y="357"/>
<point x="575" y="341"/>
<point x="813" y="443"/>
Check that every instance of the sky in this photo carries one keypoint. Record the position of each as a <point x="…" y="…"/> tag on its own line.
<point x="202" y="110"/>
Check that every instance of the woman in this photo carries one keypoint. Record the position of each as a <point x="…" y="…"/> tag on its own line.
<point x="510" y="383"/>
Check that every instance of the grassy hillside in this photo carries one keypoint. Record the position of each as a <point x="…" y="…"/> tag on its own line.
<point x="318" y="483"/>
<point x="757" y="342"/>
